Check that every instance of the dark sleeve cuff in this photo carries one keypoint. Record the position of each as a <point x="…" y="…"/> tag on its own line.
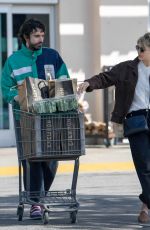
<point x="89" y="89"/>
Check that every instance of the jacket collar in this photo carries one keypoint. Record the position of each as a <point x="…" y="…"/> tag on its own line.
<point x="133" y="64"/>
<point x="29" y="52"/>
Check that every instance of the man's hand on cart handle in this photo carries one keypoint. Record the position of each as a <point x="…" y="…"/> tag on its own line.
<point x="82" y="87"/>
<point x="16" y="98"/>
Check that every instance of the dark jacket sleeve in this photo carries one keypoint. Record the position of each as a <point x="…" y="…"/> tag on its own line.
<point x="104" y="79"/>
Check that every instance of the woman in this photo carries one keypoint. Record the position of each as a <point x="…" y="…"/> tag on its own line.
<point x="132" y="98"/>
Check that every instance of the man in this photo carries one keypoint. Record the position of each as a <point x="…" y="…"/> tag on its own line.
<point x="33" y="61"/>
<point x="132" y="98"/>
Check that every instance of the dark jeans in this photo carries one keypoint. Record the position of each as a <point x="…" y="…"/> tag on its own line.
<point x="140" y="149"/>
<point x="41" y="176"/>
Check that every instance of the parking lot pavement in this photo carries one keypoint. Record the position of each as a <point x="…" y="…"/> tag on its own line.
<point x="107" y="201"/>
<point x="116" y="158"/>
<point x="108" y="196"/>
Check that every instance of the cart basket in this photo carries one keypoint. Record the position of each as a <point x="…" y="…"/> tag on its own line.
<point x="49" y="136"/>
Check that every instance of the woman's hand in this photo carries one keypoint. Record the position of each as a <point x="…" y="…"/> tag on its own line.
<point x="82" y="87"/>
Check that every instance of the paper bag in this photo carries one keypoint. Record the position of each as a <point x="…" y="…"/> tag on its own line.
<point x="30" y="92"/>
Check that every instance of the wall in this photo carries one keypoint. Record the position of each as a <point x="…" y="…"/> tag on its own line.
<point x="122" y="23"/>
<point x="81" y="48"/>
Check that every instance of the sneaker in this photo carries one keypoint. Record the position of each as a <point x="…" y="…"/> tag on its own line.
<point x="36" y="212"/>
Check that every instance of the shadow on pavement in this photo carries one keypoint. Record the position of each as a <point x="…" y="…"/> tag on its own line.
<point x="96" y="212"/>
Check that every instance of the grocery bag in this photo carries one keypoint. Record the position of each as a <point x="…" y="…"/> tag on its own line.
<point x="30" y="91"/>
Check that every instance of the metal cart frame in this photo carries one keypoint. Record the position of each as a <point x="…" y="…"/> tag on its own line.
<point x="42" y="137"/>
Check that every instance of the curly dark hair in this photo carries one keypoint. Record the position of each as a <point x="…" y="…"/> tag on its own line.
<point x="28" y="27"/>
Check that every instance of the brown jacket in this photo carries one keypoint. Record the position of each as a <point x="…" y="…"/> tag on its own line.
<point x="124" y="77"/>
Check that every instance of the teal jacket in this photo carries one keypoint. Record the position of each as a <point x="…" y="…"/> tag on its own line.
<point x="26" y="63"/>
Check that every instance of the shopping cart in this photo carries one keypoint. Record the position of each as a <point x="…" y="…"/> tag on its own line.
<point x="42" y="137"/>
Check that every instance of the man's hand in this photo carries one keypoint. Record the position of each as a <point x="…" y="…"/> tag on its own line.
<point x="16" y="98"/>
<point x="82" y="87"/>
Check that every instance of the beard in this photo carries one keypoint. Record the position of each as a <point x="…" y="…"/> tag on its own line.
<point x="35" y="47"/>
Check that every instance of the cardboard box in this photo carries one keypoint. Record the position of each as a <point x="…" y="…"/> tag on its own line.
<point x="60" y="88"/>
<point x="72" y="135"/>
<point x="33" y="91"/>
<point x="26" y="135"/>
<point x="50" y="134"/>
<point x="29" y="92"/>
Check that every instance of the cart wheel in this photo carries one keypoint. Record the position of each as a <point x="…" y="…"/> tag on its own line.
<point x="45" y="217"/>
<point x="73" y="217"/>
<point x="20" y="211"/>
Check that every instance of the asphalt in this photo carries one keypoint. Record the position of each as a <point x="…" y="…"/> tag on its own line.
<point x="107" y="191"/>
<point x="96" y="159"/>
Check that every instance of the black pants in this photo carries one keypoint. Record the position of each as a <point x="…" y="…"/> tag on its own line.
<point x="41" y="176"/>
<point x="140" y="148"/>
